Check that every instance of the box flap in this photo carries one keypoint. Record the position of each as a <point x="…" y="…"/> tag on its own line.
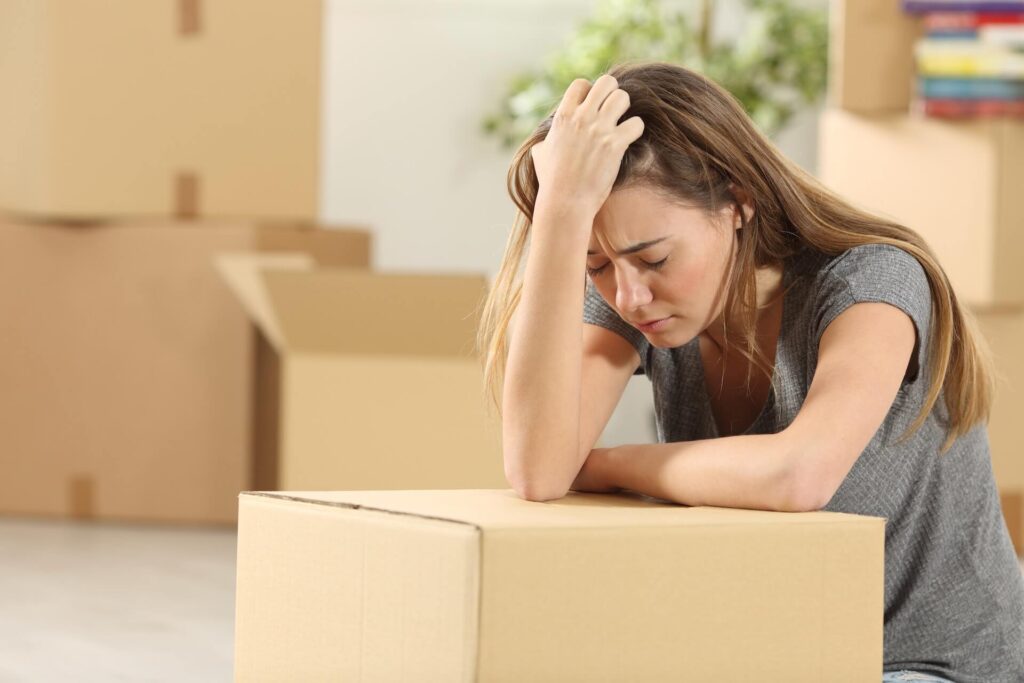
<point x="503" y="509"/>
<point x="244" y="275"/>
<point x="329" y="246"/>
<point x="353" y="310"/>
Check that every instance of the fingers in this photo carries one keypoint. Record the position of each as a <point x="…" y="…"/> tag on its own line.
<point x="574" y="94"/>
<point x="631" y="129"/>
<point x="615" y="105"/>
<point x="603" y="99"/>
<point x="602" y="88"/>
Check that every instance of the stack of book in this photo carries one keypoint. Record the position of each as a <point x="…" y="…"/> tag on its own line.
<point x="970" y="62"/>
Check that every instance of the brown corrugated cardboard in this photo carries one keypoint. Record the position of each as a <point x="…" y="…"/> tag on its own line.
<point x="378" y="383"/>
<point x="127" y="108"/>
<point x="871" y="59"/>
<point x="1004" y="331"/>
<point x="480" y="585"/>
<point x="1012" y="503"/>
<point x="956" y="183"/>
<point x="128" y="369"/>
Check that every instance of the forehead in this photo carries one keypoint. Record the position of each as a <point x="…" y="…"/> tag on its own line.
<point x="637" y="214"/>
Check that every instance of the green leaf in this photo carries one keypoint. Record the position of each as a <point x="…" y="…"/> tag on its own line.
<point x="776" y="65"/>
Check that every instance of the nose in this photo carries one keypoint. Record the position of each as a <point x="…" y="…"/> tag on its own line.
<point x="631" y="292"/>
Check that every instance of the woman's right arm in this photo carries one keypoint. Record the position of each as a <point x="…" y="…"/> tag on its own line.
<point x="576" y="166"/>
<point x="541" y="396"/>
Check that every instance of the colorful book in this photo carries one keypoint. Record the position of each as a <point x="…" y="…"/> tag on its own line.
<point x="987" y="6"/>
<point x="970" y="88"/>
<point x="968" y="21"/>
<point x="966" y="58"/>
<point x="946" y="34"/>
<point x="969" y="108"/>
<point x="1010" y="36"/>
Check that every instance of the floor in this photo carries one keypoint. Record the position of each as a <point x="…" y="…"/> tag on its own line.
<point x="108" y="602"/>
<point x="113" y="602"/>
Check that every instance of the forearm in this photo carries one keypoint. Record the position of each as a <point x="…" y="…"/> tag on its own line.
<point x="751" y="471"/>
<point x="541" y="395"/>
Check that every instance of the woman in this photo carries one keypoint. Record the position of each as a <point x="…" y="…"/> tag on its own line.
<point x="803" y="354"/>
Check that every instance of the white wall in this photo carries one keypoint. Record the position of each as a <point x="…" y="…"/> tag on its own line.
<point x="407" y="83"/>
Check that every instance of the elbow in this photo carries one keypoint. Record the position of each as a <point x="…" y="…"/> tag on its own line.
<point x="801" y="485"/>
<point x="538" y="495"/>
<point x="803" y="492"/>
<point x="531" y="488"/>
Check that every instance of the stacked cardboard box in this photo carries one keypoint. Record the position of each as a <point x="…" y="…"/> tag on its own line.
<point x="957" y="183"/>
<point x="128" y="370"/>
<point x="479" y="585"/>
<point x="168" y="107"/>
<point x="142" y="140"/>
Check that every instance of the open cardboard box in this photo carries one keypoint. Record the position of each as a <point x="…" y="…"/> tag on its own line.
<point x="160" y="108"/>
<point x="371" y="380"/>
<point x="480" y="585"/>
<point x="128" y="368"/>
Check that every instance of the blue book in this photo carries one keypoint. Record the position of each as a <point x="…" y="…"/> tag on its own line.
<point x="952" y="35"/>
<point x="970" y="88"/>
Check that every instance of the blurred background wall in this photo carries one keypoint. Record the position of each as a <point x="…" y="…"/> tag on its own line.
<point x="406" y="85"/>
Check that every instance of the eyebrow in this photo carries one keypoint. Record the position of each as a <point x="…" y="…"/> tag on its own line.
<point x="635" y="248"/>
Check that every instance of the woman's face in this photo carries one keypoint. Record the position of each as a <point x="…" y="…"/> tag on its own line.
<point x="678" y="277"/>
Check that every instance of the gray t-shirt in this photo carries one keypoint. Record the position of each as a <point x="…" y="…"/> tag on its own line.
<point x="954" y="595"/>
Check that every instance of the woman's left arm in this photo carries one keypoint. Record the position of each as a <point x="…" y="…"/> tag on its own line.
<point x="862" y="358"/>
<point x="733" y="471"/>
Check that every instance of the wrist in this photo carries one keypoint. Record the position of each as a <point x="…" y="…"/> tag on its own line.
<point x="565" y="210"/>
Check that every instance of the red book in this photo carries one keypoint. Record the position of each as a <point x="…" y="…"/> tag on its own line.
<point x="968" y="21"/>
<point x="970" y="108"/>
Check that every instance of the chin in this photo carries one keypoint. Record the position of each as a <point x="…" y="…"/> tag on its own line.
<point x="671" y="340"/>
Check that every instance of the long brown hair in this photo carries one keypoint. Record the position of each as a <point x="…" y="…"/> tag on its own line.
<point x="697" y="144"/>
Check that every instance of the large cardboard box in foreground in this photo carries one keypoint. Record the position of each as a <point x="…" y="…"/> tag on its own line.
<point x="160" y="107"/>
<point x="127" y="368"/>
<point x="958" y="184"/>
<point x="480" y="585"/>
<point x="375" y="383"/>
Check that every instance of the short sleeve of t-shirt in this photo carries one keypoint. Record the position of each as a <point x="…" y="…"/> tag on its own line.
<point x="596" y="311"/>
<point x="876" y="273"/>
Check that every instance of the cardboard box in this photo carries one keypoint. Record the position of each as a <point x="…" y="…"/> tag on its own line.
<point x="871" y="56"/>
<point x="480" y="585"/>
<point x="956" y="183"/>
<point x="1004" y="331"/>
<point x="376" y="383"/>
<point x="160" y="108"/>
<point x="127" y="369"/>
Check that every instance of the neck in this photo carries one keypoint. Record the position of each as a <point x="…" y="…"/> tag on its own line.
<point x="769" y="300"/>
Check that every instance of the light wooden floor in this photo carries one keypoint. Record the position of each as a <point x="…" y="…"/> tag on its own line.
<point x="106" y="602"/>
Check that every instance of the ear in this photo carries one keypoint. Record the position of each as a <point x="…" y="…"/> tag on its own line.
<point x="742" y="198"/>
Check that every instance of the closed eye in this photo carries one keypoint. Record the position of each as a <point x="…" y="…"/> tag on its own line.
<point x="653" y="266"/>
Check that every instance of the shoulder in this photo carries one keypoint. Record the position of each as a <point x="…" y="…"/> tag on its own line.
<point x="874" y="273"/>
<point x="871" y="273"/>
<point x="877" y="270"/>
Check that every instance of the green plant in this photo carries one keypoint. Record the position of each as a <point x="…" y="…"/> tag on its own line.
<point x="777" y="64"/>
